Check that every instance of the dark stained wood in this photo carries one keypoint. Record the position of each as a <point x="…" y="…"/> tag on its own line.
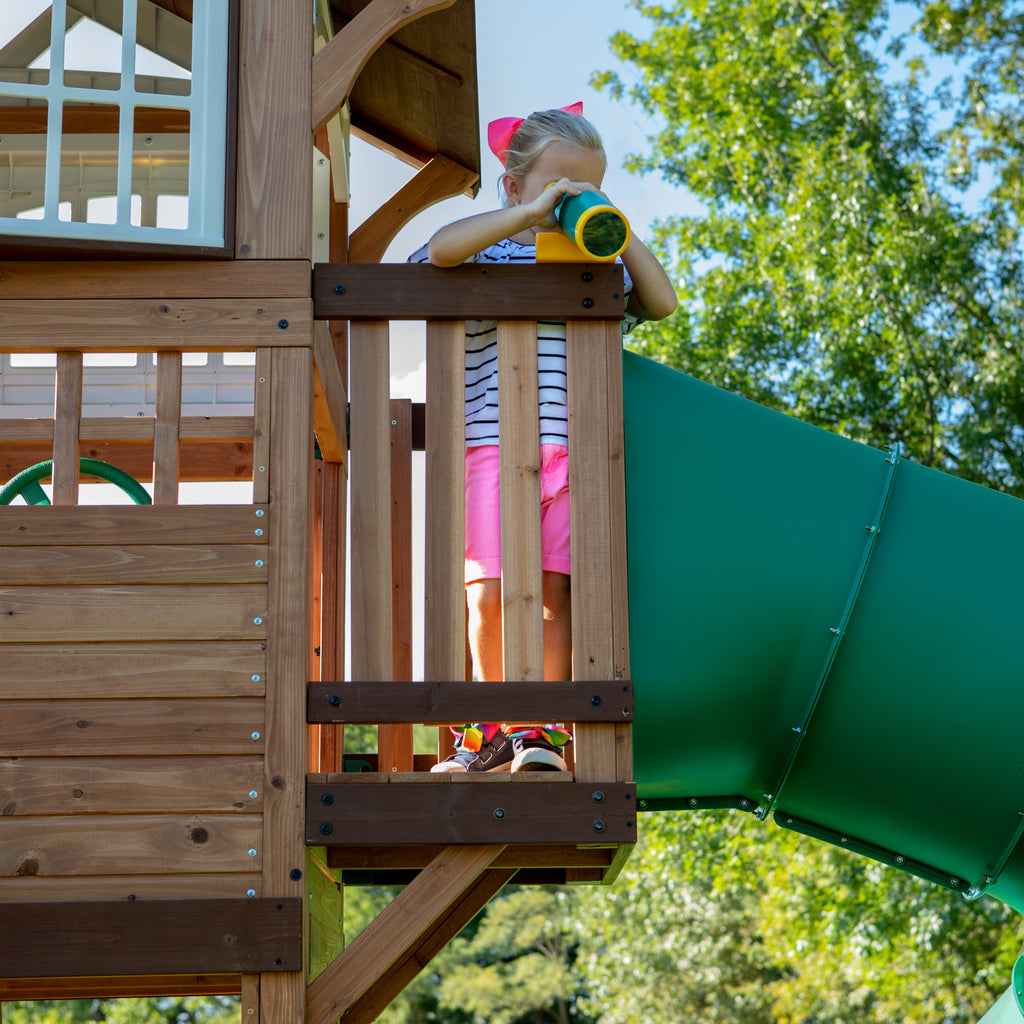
<point x="399" y="858"/>
<point x="130" y="986"/>
<point x="419" y="291"/>
<point x="440" y="702"/>
<point x="447" y="812"/>
<point x="218" y="936"/>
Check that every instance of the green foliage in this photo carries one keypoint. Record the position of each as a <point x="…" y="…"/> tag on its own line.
<point x="836" y="274"/>
<point x="169" y="1010"/>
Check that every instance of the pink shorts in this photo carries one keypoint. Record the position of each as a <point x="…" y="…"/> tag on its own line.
<point x="483" y="511"/>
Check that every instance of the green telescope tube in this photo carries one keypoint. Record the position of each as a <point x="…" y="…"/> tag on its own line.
<point x="597" y="227"/>
<point x="824" y="632"/>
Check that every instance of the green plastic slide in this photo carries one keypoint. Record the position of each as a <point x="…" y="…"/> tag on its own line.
<point x="824" y="632"/>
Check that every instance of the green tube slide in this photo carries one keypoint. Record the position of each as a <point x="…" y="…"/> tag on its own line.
<point x="826" y="633"/>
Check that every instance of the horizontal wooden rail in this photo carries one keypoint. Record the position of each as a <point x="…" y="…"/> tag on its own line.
<point x="356" y="810"/>
<point x="419" y="291"/>
<point x="437" y="703"/>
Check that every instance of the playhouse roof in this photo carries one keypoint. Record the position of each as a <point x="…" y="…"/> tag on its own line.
<point x="417" y="95"/>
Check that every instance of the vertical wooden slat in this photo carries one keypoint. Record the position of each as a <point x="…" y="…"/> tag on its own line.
<point x="591" y="540"/>
<point x="261" y="429"/>
<point x="313" y="745"/>
<point x="250" y="999"/>
<point x="332" y="596"/>
<point x="371" y="501"/>
<point x="394" y="742"/>
<point x="444" y="654"/>
<point x="275" y="149"/>
<point x="282" y="996"/>
<point x="617" y="528"/>
<point x="165" y="436"/>
<point x="445" y="545"/>
<point x="521" y="575"/>
<point x="67" y="412"/>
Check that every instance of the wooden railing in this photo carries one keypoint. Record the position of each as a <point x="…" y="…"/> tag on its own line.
<point x="590" y="299"/>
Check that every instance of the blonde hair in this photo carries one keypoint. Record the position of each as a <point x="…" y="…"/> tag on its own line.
<point x="540" y="130"/>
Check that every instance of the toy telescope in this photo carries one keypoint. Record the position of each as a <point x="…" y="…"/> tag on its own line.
<point x="594" y="231"/>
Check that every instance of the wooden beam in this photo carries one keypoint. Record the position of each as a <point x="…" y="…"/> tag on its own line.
<point x="150" y="937"/>
<point x="142" y="279"/>
<point x="418" y="291"/>
<point x="95" y="119"/>
<point x="389" y="939"/>
<point x="337" y="65"/>
<point x="451" y="700"/>
<point x="506" y="810"/>
<point x="440" y="179"/>
<point x="66" y="415"/>
<point x="330" y="403"/>
<point x="166" y="428"/>
<point x="274" y="193"/>
<point x="141" y="325"/>
<point x="120" y="987"/>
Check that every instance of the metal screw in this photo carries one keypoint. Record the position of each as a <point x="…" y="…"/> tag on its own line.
<point x="844" y="839"/>
<point x="599" y="825"/>
<point x="283" y="324"/>
<point x="327" y="799"/>
<point x="587" y="276"/>
<point x="250" y="893"/>
<point x="253" y="794"/>
<point x="899" y="858"/>
<point x="258" y="621"/>
<point x="295" y="874"/>
<point x="598" y="796"/>
<point x="693" y="801"/>
<point x="258" y="532"/>
<point x="588" y="303"/>
<point x="259" y="513"/>
<point x="326" y="828"/>
<point x="595" y="701"/>
<point x="954" y="881"/>
<point x="339" y="289"/>
<point x="255" y="735"/>
<point x="334" y="701"/>
<point x="499" y="813"/>
<point x="252" y="853"/>
<point x="263" y="469"/>
<point x="255" y="677"/>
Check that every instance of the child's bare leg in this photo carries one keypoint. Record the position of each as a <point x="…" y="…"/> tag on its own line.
<point x="485" y="631"/>
<point x="557" y="626"/>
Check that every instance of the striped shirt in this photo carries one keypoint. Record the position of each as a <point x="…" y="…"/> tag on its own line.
<point x="482" y="360"/>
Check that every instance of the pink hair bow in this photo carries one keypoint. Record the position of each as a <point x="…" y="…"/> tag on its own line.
<point x="500" y="132"/>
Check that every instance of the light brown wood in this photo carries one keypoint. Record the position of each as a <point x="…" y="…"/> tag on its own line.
<point x="332" y="597"/>
<point x="66" y="414"/>
<point x="133" y="844"/>
<point x="121" y="671"/>
<point x="275" y="148"/>
<point x="412" y="913"/>
<point x="440" y="178"/>
<point x="127" y="524"/>
<point x="337" y="65"/>
<point x="261" y="428"/>
<point x="195" y="885"/>
<point x="522" y="595"/>
<point x="291" y="455"/>
<point x="151" y="563"/>
<point x="371" y="502"/>
<point x="130" y="785"/>
<point x="142" y="279"/>
<point x="97" y="728"/>
<point x="81" y="614"/>
<point x="595" y="746"/>
<point x="330" y="403"/>
<point x="123" y="986"/>
<point x="165" y="436"/>
<point x="143" y="325"/>
<point x="250" y="1002"/>
<point x="395" y="742"/>
<point x="132" y="428"/>
<point x="444" y="555"/>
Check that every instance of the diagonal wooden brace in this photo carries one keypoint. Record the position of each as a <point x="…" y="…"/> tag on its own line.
<point x="394" y="943"/>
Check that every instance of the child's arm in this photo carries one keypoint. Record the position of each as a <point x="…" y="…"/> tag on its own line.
<point x="653" y="297"/>
<point x="456" y="242"/>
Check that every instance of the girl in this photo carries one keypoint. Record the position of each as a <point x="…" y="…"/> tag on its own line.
<point x="548" y="155"/>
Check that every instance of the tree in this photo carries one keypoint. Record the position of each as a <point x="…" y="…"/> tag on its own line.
<point x="836" y="274"/>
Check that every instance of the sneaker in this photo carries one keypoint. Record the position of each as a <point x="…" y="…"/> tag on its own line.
<point x="479" y="748"/>
<point x="537" y="749"/>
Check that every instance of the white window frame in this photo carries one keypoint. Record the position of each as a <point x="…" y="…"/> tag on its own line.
<point x="207" y="108"/>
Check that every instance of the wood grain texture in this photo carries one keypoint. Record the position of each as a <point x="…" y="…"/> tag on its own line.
<point x="144" y="325"/>
<point x="32" y="786"/>
<point x="29" y="888"/>
<point x="96" y="728"/>
<point x="99" y="613"/>
<point x="123" y="986"/>
<point x="126" y="670"/>
<point x="522" y="595"/>
<point x="166" y="428"/>
<point x="66" y="414"/>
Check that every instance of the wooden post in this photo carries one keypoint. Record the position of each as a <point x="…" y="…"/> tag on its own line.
<point x="165" y="436"/>
<point x="67" y="414"/>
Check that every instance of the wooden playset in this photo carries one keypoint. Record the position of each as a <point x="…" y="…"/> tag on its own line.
<point x="176" y="813"/>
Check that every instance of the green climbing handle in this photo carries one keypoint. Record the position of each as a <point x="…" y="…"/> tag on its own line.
<point x="26" y="483"/>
